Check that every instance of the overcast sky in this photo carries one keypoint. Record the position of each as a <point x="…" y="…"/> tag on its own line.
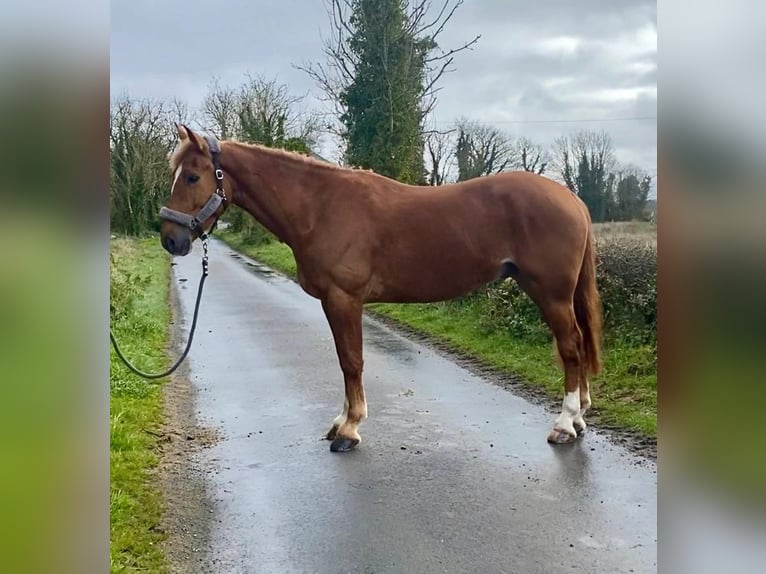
<point x="540" y="69"/>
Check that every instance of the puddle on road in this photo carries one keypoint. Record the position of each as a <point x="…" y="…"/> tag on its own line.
<point x="256" y="268"/>
<point x="375" y="335"/>
<point x="384" y="340"/>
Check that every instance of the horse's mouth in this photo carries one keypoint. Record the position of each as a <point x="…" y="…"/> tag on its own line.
<point x="179" y="246"/>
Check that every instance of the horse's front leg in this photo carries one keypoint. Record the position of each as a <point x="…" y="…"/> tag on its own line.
<point x="339" y="420"/>
<point x="344" y="313"/>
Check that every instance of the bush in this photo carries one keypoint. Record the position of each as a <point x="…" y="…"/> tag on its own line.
<point x="626" y="273"/>
<point x="507" y="307"/>
<point x="251" y="232"/>
<point x="627" y="279"/>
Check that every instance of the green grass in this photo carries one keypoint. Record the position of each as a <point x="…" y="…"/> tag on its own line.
<point x="140" y="314"/>
<point x="624" y="394"/>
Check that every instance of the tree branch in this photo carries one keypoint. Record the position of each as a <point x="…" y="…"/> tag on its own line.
<point x="465" y="46"/>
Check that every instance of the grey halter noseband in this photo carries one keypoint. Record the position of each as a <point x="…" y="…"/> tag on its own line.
<point x="194" y="222"/>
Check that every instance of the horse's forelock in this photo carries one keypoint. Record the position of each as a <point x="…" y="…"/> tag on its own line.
<point x="177" y="155"/>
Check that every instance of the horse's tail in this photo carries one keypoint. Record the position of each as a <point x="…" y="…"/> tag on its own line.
<point x="587" y="306"/>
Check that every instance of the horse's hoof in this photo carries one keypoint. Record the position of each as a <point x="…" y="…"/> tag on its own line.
<point x="561" y="437"/>
<point x="343" y="444"/>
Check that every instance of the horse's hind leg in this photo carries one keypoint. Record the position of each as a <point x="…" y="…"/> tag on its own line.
<point x="344" y="313"/>
<point x="555" y="301"/>
<point x="561" y="319"/>
<point x="579" y="420"/>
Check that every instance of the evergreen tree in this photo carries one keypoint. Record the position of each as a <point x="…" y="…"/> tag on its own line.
<point x="591" y="185"/>
<point x="584" y="162"/>
<point x="383" y="66"/>
<point x="383" y="113"/>
<point x="630" y="196"/>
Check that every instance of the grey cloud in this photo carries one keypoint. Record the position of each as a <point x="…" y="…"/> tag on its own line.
<point x="175" y="47"/>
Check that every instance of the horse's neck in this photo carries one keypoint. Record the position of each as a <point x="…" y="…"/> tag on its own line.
<point x="271" y="190"/>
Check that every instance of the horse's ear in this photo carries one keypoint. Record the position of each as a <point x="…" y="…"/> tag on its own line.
<point x="184" y="133"/>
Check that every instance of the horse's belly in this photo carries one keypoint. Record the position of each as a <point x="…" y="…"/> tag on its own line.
<point x="430" y="283"/>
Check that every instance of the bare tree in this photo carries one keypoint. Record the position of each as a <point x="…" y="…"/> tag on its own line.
<point x="219" y="110"/>
<point x="585" y="162"/>
<point x="482" y="150"/>
<point x="267" y="113"/>
<point x="339" y="71"/>
<point x="440" y="156"/>
<point x="141" y="134"/>
<point x="179" y="113"/>
<point x="531" y="157"/>
<point x="569" y="152"/>
<point x="260" y="110"/>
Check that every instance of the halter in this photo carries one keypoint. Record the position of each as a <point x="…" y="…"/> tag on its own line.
<point x="194" y="222"/>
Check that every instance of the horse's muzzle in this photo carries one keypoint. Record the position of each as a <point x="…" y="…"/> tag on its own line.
<point x="177" y="242"/>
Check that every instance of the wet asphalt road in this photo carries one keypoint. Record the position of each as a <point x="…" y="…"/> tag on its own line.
<point x="453" y="474"/>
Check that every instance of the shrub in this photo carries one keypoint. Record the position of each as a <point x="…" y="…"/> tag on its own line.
<point x="508" y="308"/>
<point x="627" y="280"/>
<point x="251" y="232"/>
<point x="626" y="273"/>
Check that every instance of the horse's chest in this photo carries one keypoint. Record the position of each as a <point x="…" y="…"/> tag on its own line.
<point x="308" y="284"/>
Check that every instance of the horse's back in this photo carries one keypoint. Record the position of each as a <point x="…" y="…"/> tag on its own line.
<point x="454" y="238"/>
<point x="524" y="191"/>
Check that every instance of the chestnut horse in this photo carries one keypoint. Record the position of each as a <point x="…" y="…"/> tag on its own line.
<point x="359" y="237"/>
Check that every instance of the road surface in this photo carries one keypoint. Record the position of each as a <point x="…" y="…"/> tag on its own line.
<point x="453" y="474"/>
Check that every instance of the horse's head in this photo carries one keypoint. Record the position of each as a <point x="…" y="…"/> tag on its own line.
<point x="197" y="197"/>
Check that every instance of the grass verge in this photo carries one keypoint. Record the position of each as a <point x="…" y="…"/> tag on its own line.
<point x="139" y="282"/>
<point x="273" y="253"/>
<point x="624" y="393"/>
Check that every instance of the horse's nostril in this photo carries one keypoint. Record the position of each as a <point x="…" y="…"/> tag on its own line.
<point x="168" y="243"/>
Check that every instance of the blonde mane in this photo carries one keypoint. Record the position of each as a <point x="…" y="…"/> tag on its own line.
<point x="287" y="154"/>
<point x="176" y="156"/>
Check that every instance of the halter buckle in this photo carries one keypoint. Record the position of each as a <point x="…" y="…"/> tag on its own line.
<point x="219" y="174"/>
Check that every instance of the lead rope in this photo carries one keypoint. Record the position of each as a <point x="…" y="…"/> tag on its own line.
<point x="140" y="373"/>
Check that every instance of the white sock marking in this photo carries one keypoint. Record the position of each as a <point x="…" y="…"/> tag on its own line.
<point x="570" y="408"/>
<point x="584" y="406"/>
<point x="341" y="418"/>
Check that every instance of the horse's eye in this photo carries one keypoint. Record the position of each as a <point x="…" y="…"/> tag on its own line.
<point x="192" y="179"/>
